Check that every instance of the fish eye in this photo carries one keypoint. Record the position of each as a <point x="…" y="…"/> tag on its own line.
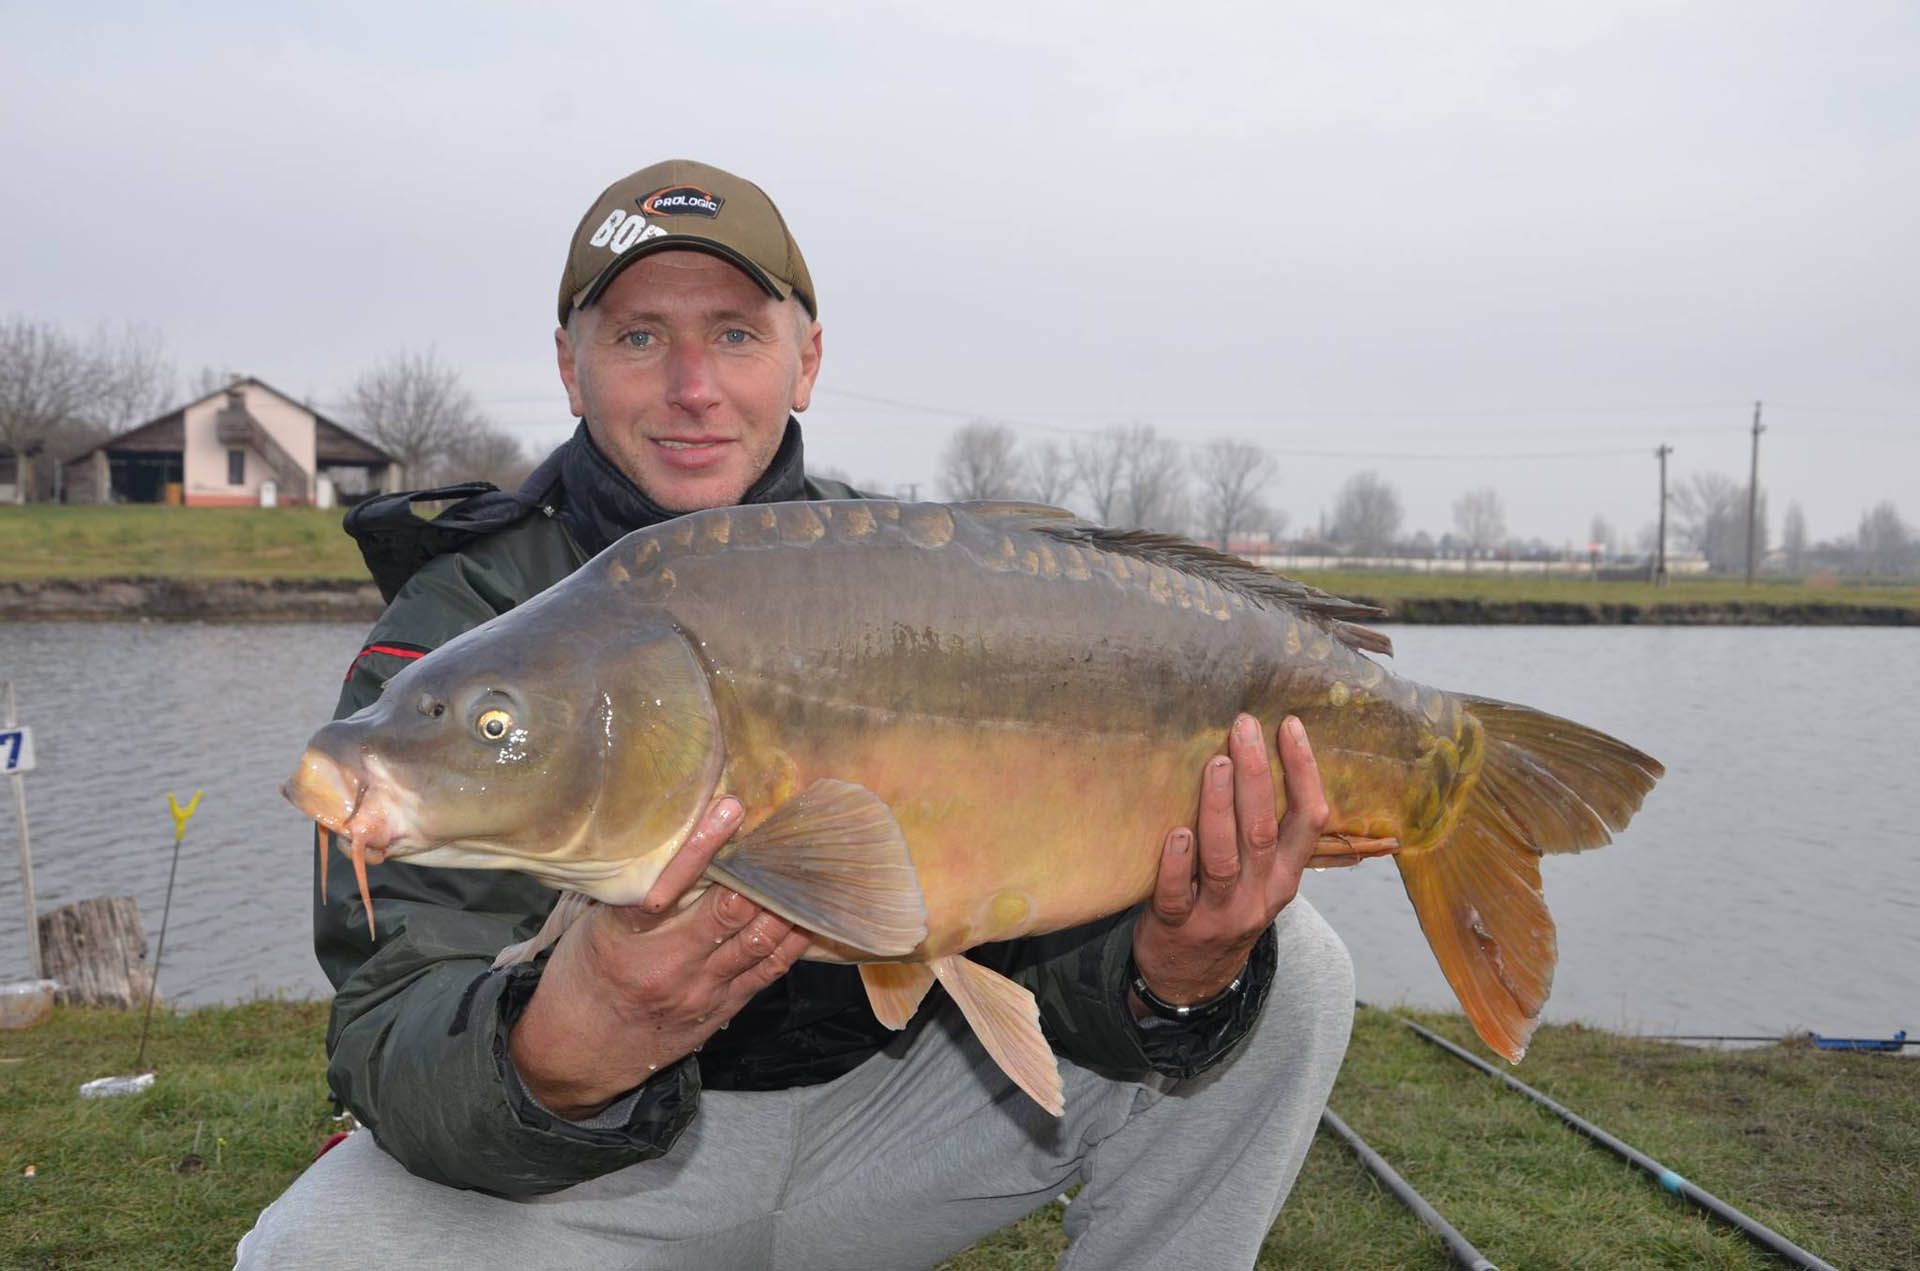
<point x="493" y="724"/>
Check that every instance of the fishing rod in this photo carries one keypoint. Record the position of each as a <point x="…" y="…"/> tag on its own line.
<point x="1820" y="1041"/>
<point x="1464" y="1254"/>
<point x="1767" y="1238"/>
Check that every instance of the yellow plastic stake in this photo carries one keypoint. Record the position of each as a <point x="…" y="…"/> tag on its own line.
<point x="182" y="815"/>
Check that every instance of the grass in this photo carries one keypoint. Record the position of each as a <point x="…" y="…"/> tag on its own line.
<point x="1824" y="1148"/>
<point x="153" y="541"/>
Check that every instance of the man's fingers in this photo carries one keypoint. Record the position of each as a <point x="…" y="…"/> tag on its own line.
<point x="1306" y="799"/>
<point x="1173" y="887"/>
<point x="749" y="946"/>
<point x="777" y="963"/>
<point x="1219" y="839"/>
<point x="715" y="828"/>
<point x="1253" y="809"/>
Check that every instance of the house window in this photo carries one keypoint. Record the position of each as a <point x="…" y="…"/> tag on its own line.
<point x="236" y="467"/>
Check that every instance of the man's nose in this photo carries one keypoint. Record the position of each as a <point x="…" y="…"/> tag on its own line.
<point x="690" y="383"/>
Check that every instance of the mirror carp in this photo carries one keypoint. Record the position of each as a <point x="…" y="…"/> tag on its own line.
<point x="951" y="724"/>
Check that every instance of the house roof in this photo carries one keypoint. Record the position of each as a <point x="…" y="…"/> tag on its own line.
<point x="332" y="442"/>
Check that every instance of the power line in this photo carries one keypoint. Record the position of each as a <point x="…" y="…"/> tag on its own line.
<point x="1309" y="413"/>
<point x="1288" y="452"/>
<point x="1848" y="410"/>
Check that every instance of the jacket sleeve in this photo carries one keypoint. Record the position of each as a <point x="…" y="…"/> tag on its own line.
<point x="1079" y="978"/>
<point x="416" y="1042"/>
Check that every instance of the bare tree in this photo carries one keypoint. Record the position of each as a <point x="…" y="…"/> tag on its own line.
<point x="45" y="380"/>
<point x="1886" y="544"/>
<point x="1049" y="472"/>
<point x="1099" y="471"/>
<point x="1480" y="520"/>
<point x="1793" y="538"/>
<point x="979" y="462"/>
<point x="1154" y="481"/>
<point x="60" y="396"/>
<point x="136" y="379"/>
<point x="416" y="409"/>
<point x="1234" y="477"/>
<point x="1600" y="536"/>
<point x="1367" y="514"/>
<point x="207" y="381"/>
<point x="484" y="454"/>
<point x="1710" y="514"/>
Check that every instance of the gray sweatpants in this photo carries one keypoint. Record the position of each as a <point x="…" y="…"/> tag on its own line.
<point x="911" y="1157"/>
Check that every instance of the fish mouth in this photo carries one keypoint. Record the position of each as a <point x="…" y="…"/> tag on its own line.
<point x="335" y="796"/>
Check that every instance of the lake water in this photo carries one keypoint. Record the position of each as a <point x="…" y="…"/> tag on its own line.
<point x="1772" y="882"/>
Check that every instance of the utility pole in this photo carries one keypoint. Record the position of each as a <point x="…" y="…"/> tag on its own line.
<point x="1753" y="494"/>
<point x="1660" y="557"/>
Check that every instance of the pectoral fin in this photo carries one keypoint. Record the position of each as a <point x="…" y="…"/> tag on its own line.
<point x="832" y="859"/>
<point x="1007" y="1021"/>
<point x="894" y="989"/>
<point x="569" y="909"/>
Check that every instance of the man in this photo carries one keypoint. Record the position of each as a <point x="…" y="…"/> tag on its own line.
<point x="672" y="1087"/>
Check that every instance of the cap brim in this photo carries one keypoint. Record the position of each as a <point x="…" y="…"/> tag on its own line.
<point x="684" y="242"/>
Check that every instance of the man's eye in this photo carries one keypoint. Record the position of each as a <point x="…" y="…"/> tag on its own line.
<point x="735" y="335"/>
<point x="640" y="339"/>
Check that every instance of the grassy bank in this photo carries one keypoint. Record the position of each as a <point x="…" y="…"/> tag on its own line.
<point x="1823" y="1147"/>
<point x="149" y="541"/>
<point x="1413" y="596"/>
<point x="199" y="545"/>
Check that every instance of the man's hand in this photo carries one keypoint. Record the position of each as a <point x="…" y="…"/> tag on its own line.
<point x="1209" y="907"/>
<point x="631" y="989"/>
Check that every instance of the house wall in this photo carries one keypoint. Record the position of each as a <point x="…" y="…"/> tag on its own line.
<point x="205" y="466"/>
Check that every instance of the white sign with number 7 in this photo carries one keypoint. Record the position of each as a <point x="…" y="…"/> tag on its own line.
<point x="16" y="750"/>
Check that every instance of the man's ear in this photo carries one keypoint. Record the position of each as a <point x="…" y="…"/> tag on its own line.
<point x="809" y="370"/>
<point x="563" y="352"/>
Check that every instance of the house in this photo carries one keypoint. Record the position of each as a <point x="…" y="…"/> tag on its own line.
<point x="39" y="484"/>
<point x="247" y="445"/>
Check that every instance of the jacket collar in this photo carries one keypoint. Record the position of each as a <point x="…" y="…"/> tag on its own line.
<point x="598" y="503"/>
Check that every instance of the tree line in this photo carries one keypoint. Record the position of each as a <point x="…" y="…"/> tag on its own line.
<point x="61" y="395"/>
<point x="1128" y="475"/>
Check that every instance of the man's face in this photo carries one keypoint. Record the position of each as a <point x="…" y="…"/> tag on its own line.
<point x="685" y="371"/>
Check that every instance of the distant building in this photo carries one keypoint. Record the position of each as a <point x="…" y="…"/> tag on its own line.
<point x="246" y="445"/>
<point x="39" y="483"/>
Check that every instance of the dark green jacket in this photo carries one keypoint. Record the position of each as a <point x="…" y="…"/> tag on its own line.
<point x="417" y="1039"/>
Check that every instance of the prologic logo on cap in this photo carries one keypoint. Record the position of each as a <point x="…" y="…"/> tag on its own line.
<point x="682" y="200"/>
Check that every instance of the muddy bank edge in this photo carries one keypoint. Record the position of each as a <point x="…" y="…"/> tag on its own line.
<point x="188" y="600"/>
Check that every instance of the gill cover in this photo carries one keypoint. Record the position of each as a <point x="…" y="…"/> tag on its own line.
<point x="660" y="748"/>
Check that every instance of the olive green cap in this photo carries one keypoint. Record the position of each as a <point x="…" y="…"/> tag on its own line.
<point x="683" y="204"/>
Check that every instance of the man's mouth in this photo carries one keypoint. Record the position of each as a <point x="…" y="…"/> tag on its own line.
<point x="692" y="455"/>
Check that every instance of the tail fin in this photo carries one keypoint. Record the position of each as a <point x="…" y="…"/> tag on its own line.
<point x="1545" y="785"/>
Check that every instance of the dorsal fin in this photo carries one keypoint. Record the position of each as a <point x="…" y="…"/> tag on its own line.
<point x="994" y="509"/>
<point x="1196" y="560"/>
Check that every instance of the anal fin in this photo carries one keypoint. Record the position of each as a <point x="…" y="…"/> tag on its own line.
<point x="894" y="989"/>
<point x="1006" y="1019"/>
<point x="832" y="860"/>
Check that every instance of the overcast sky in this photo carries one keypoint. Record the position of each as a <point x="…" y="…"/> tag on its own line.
<point x="1515" y="245"/>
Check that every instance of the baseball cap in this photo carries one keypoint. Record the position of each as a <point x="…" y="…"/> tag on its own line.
<point x="683" y="204"/>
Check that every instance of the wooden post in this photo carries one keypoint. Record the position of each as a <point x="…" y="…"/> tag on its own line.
<point x="97" y="950"/>
<point x="26" y="853"/>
